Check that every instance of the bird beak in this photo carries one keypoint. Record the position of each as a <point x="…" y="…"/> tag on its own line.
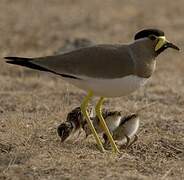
<point x="171" y="45"/>
<point x="162" y="41"/>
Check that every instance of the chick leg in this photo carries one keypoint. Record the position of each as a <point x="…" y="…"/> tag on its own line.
<point x="135" y="139"/>
<point x="128" y="141"/>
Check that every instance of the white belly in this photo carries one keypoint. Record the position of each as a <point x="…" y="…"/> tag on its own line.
<point x="109" y="87"/>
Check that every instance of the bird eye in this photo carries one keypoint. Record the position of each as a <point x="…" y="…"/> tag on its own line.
<point x="152" y="37"/>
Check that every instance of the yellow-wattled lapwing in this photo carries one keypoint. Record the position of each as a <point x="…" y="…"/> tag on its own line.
<point x="105" y="70"/>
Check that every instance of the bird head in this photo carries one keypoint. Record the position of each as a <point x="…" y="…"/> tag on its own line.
<point x="64" y="130"/>
<point x="157" y="37"/>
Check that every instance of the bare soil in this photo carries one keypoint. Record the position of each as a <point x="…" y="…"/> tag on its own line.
<point x="33" y="104"/>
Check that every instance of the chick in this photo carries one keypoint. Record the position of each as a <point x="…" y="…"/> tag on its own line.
<point x="123" y="129"/>
<point x="126" y="130"/>
<point x="112" y="119"/>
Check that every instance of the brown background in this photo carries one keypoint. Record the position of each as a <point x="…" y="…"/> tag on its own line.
<point x="33" y="104"/>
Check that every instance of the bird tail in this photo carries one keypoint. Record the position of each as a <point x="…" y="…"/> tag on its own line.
<point x="26" y="62"/>
<point x="30" y="63"/>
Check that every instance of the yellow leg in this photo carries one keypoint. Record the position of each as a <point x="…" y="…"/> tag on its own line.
<point x="104" y="126"/>
<point x="90" y="124"/>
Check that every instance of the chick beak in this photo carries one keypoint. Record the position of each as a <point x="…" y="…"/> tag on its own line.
<point x="171" y="45"/>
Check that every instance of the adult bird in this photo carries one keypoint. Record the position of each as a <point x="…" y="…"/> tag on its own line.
<point x="105" y="70"/>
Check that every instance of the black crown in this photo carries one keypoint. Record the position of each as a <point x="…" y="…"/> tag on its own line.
<point x="147" y="32"/>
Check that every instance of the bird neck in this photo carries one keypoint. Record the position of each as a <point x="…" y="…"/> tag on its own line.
<point x="143" y="54"/>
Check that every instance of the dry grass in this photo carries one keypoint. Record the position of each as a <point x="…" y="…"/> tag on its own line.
<point x="33" y="104"/>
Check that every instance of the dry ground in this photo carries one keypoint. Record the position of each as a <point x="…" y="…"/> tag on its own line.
<point x="33" y="104"/>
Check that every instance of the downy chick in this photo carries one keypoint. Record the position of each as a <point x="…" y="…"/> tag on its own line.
<point x="112" y="119"/>
<point x="126" y="130"/>
<point x="123" y="129"/>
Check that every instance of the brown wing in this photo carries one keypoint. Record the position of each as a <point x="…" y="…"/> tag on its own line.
<point x="102" y="61"/>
